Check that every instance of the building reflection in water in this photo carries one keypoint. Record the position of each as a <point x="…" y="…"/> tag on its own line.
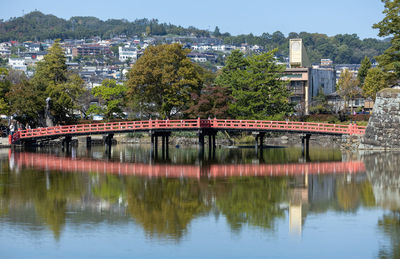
<point x="298" y="201"/>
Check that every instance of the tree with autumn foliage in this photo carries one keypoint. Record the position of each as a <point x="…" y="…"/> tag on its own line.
<point x="348" y="87"/>
<point x="211" y="103"/>
<point x="375" y="81"/>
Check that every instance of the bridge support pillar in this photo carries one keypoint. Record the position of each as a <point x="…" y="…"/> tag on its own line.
<point x="167" y="145"/>
<point x="201" y="146"/>
<point x="66" y="142"/>
<point x="164" y="144"/>
<point x="211" y="143"/>
<point x="108" y="142"/>
<point x="305" y="146"/>
<point x="89" y="142"/>
<point x="213" y="146"/>
<point x="259" y="140"/>
<point x="163" y="147"/>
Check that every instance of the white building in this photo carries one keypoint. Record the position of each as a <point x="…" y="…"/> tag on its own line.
<point x="17" y="64"/>
<point x="127" y="53"/>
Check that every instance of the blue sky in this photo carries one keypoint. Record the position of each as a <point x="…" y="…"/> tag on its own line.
<point x="236" y="17"/>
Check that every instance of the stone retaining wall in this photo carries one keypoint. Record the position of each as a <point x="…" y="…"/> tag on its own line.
<point x="383" y="130"/>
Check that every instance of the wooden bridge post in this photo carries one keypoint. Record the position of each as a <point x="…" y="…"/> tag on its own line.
<point x="213" y="145"/>
<point x="201" y="144"/>
<point x="261" y="136"/>
<point x="152" y="145"/>
<point x="108" y="143"/>
<point x="209" y="145"/>
<point x="166" y="147"/>
<point x="155" y="146"/>
<point x="88" y="142"/>
<point x="256" y="143"/>
<point x="66" y="143"/>
<point x="163" y="146"/>
<point x="305" y="145"/>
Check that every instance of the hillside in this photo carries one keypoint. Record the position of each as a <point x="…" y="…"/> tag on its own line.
<point x="342" y="48"/>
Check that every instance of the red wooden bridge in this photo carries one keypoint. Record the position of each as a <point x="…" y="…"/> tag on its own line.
<point x="66" y="164"/>
<point x="185" y="125"/>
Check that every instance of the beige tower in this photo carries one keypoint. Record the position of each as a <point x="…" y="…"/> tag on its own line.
<point x="297" y="54"/>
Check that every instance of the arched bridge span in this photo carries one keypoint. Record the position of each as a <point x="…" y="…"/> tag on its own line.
<point x="203" y="126"/>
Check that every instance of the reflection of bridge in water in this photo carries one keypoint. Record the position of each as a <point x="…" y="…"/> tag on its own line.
<point x="65" y="164"/>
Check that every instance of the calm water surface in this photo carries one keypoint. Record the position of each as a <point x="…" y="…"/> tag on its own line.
<point x="236" y="204"/>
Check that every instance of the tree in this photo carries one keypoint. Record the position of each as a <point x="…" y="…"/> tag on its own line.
<point x="213" y="102"/>
<point x="256" y="86"/>
<point x="113" y="97"/>
<point x="389" y="61"/>
<point x="362" y="72"/>
<point x="25" y="102"/>
<point x="5" y="86"/>
<point x="161" y="82"/>
<point x="320" y="103"/>
<point x="374" y="82"/>
<point x="216" y="32"/>
<point x="65" y="98"/>
<point x="53" y="80"/>
<point x="348" y="87"/>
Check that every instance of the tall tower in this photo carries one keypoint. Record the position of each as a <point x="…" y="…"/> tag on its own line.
<point x="297" y="54"/>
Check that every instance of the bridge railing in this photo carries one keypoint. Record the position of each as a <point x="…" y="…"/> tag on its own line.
<point x="113" y="126"/>
<point x="188" y="124"/>
<point x="289" y="126"/>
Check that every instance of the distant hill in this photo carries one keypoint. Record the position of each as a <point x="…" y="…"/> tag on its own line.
<point x="38" y="26"/>
<point x="342" y="48"/>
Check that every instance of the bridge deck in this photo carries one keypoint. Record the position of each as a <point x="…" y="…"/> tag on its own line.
<point x="194" y="124"/>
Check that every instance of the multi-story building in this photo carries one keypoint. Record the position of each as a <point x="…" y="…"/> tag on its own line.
<point x="17" y="64"/>
<point x="305" y="81"/>
<point x="127" y="53"/>
<point x="91" y="50"/>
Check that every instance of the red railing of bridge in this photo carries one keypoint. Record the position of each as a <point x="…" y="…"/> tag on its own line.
<point x="129" y="126"/>
<point x="51" y="162"/>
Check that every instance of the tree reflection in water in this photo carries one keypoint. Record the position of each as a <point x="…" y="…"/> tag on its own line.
<point x="165" y="207"/>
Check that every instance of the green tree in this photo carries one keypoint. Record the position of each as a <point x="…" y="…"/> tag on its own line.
<point x="390" y="26"/>
<point x="161" y="82"/>
<point x="113" y="97"/>
<point x="115" y="50"/>
<point x="216" y="32"/>
<point x="53" y="80"/>
<point x="5" y="86"/>
<point x="362" y="72"/>
<point x="256" y="86"/>
<point x="375" y="81"/>
<point x="25" y="102"/>
<point x="348" y="87"/>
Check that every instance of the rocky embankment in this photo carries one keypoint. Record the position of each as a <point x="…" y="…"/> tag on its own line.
<point x="383" y="132"/>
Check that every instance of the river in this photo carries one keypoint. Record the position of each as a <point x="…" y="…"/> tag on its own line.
<point x="236" y="203"/>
